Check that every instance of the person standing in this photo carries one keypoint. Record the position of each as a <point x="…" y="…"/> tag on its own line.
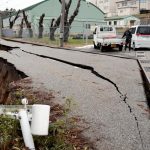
<point x="128" y="36"/>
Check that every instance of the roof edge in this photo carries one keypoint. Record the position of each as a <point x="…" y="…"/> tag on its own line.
<point x="95" y="6"/>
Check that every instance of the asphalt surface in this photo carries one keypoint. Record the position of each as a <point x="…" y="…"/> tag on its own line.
<point x="108" y="91"/>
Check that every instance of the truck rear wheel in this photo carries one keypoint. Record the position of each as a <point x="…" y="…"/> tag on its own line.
<point x="120" y="47"/>
<point x="95" y="47"/>
<point x="101" y="48"/>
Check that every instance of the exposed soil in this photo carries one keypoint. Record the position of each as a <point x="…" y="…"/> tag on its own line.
<point x="8" y="73"/>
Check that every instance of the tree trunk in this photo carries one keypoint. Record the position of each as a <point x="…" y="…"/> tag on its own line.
<point x="67" y="22"/>
<point x="53" y="27"/>
<point x="52" y="33"/>
<point x="11" y="23"/>
<point x="21" y="29"/>
<point x="40" y="32"/>
<point x="66" y="33"/>
<point x="30" y="32"/>
<point x="20" y="33"/>
<point x="41" y="26"/>
<point x="28" y="24"/>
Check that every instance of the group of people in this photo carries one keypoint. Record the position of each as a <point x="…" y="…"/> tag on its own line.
<point x="128" y="37"/>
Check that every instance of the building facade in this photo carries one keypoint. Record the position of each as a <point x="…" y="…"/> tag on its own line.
<point x="122" y="7"/>
<point x="107" y="6"/>
<point x="122" y="21"/>
<point x="127" y="7"/>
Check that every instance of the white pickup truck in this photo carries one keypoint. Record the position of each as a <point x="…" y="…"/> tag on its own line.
<point x="106" y="36"/>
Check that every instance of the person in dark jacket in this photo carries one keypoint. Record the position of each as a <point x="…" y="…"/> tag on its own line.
<point x="128" y="35"/>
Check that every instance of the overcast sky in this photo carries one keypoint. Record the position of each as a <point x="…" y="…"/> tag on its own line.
<point x="17" y="4"/>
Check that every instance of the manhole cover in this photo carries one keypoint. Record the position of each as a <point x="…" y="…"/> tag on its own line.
<point x="147" y="69"/>
<point x="145" y="61"/>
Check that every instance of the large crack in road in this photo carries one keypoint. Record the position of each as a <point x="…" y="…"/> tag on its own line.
<point x="123" y="97"/>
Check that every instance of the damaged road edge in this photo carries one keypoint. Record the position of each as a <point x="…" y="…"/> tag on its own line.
<point x="8" y="74"/>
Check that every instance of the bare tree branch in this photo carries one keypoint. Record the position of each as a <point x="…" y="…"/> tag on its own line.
<point x="11" y="23"/>
<point x="28" y="24"/>
<point x="57" y="22"/>
<point x="52" y="22"/>
<point x="17" y="16"/>
<point x="75" y="13"/>
<point x="67" y="7"/>
<point x="41" y="20"/>
<point x="67" y="23"/>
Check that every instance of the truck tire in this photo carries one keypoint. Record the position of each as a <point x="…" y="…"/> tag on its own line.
<point x="120" y="47"/>
<point x="95" y="47"/>
<point x="101" y="48"/>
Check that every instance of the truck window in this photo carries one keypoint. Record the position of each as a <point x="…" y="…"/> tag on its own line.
<point x="143" y="30"/>
<point x="95" y="30"/>
<point x="106" y="29"/>
<point x="133" y="30"/>
<point x="101" y="29"/>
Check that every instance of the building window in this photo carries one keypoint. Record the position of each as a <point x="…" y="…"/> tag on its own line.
<point x="115" y="22"/>
<point x="109" y="23"/>
<point x="133" y="30"/>
<point x="124" y="3"/>
<point x="88" y="26"/>
<point x="121" y="11"/>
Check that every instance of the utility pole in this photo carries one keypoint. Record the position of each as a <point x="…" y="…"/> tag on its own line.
<point x="139" y="6"/>
<point x="0" y="25"/>
<point x="62" y="24"/>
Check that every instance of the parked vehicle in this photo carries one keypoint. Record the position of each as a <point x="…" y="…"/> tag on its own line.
<point x="140" y="36"/>
<point x="106" y="36"/>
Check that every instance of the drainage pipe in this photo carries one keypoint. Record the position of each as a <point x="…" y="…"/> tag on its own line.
<point x="40" y="119"/>
<point x="26" y="131"/>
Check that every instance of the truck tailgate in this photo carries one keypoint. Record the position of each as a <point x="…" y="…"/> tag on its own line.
<point x="113" y="40"/>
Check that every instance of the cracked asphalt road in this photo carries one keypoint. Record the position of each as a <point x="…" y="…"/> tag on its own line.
<point x="112" y="124"/>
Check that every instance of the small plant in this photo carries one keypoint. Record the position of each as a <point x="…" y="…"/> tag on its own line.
<point x="9" y="131"/>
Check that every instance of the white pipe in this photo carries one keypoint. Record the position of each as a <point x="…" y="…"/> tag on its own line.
<point x="26" y="131"/>
<point x="40" y="119"/>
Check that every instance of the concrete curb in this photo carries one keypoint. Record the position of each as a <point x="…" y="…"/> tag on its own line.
<point x="144" y="73"/>
<point x="71" y="49"/>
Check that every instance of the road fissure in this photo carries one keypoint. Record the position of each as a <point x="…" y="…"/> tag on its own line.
<point x="123" y="97"/>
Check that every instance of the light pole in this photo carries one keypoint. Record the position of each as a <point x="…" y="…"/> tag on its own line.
<point x="139" y="6"/>
<point x="62" y="24"/>
<point x="0" y="25"/>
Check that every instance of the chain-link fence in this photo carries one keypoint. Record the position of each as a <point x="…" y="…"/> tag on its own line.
<point x="73" y="36"/>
